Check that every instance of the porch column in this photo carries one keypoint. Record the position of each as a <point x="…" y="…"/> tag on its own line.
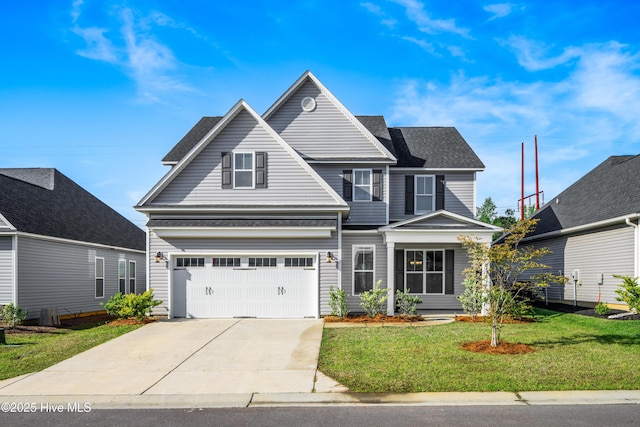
<point x="390" y="277"/>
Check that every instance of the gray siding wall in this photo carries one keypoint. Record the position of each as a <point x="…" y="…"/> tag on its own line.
<point x="324" y="132"/>
<point x="6" y="270"/>
<point x="201" y="181"/>
<point x="159" y="275"/>
<point x="361" y="212"/>
<point x="62" y="275"/>
<point x="380" y="264"/>
<point x="458" y="195"/>
<point x="607" y="252"/>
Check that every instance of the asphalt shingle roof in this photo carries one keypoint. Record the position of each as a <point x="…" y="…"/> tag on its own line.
<point x="242" y="223"/>
<point x="47" y="203"/>
<point x="378" y="127"/>
<point x="611" y="190"/>
<point x="190" y="140"/>
<point x="433" y="147"/>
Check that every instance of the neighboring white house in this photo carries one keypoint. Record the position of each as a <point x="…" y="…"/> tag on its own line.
<point x="62" y="248"/>
<point x="592" y="229"/>
<point x="260" y="215"/>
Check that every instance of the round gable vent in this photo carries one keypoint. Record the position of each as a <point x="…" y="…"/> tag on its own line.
<point x="308" y="104"/>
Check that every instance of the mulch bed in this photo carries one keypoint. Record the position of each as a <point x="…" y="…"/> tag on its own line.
<point x="484" y="319"/>
<point x="377" y="319"/>
<point x="484" y="347"/>
<point x="73" y="322"/>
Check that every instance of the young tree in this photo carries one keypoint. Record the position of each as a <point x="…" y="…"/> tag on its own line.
<point x="487" y="212"/>
<point x="500" y="268"/>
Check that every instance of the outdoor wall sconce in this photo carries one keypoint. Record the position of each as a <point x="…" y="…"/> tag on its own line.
<point x="329" y="257"/>
<point x="159" y="256"/>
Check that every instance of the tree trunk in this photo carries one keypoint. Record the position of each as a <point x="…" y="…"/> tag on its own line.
<point x="494" y="335"/>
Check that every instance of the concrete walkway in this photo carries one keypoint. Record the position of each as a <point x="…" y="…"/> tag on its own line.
<point x="209" y="363"/>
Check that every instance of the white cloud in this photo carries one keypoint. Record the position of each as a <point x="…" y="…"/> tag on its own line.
<point x="499" y="10"/>
<point x="132" y="46"/>
<point x="386" y="20"/>
<point x="422" y="43"/>
<point x="534" y="56"/>
<point x="589" y="112"/>
<point x="416" y="12"/>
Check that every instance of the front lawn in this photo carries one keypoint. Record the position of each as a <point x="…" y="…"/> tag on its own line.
<point x="573" y="352"/>
<point x="35" y="351"/>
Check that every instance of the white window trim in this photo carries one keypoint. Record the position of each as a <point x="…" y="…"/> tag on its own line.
<point x="132" y="278"/>
<point x="354" y="249"/>
<point x="253" y="169"/>
<point x="370" y="191"/>
<point x="96" y="278"/>
<point x="415" y="193"/>
<point x="424" y="272"/>
<point x="124" y="277"/>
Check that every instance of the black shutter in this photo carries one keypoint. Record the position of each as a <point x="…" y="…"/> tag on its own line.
<point x="227" y="170"/>
<point x="347" y="185"/>
<point x="448" y="272"/>
<point x="261" y="170"/>
<point x="399" y="270"/>
<point x="439" y="192"/>
<point x="408" y="195"/>
<point x="376" y="179"/>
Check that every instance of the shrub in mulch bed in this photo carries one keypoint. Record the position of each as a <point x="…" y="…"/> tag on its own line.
<point x="377" y="319"/>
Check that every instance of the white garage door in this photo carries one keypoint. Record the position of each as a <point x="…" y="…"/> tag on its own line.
<point x="236" y="286"/>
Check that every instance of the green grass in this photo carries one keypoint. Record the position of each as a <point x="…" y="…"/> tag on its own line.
<point x="573" y="352"/>
<point x="37" y="351"/>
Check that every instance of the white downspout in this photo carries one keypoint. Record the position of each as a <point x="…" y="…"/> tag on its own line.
<point x="636" y="246"/>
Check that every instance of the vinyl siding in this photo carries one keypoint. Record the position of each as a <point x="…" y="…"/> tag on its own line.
<point x="160" y="274"/>
<point x="361" y="212"/>
<point x="62" y="275"/>
<point x="322" y="133"/>
<point x="6" y="270"/>
<point x="201" y="181"/>
<point x="458" y="194"/>
<point x="606" y="251"/>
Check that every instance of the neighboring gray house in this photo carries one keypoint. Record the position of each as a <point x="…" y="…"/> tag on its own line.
<point x="592" y="229"/>
<point x="61" y="248"/>
<point x="260" y="215"/>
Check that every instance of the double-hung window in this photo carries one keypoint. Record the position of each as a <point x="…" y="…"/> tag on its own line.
<point x="362" y="185"/>
<point x="132" y="277"/>
<point x="424" y="271"/>
<point x="99" y="282"/>
<point x="363" y="268"/>
<point x="425" y="192"/>
<point x="243" y="170"/>
<point x="122" y="276"/>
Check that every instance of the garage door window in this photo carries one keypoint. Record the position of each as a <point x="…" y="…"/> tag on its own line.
<point x="226" y="262"/>
<point x="263" y="262"/>
<point x="298" y="262"/>
<point x="189" y="262"/>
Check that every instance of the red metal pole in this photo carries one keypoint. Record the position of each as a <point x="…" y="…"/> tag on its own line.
<point x="522" y="187"/>
<point x="535" y="138"/>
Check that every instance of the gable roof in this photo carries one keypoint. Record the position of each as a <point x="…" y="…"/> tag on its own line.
<point x="440" y="220"/>
<point x="47" y="203"/>
<point x="433" y="148"/>
<point x="192" y="137"/>
<point x="609" y="191"/>
<point x="308" y="77"/>
<point x="240" y="106"/>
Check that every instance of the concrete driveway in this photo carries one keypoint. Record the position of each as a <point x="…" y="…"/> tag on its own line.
<point x="188" y="357"/>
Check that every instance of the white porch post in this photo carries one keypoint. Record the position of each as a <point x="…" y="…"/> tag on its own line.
<point x="390" y="277"/>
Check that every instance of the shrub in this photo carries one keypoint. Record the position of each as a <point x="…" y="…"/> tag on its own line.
<point x="131" y="305"/>
<point x="602" y="308"/>
<point x="338" y="302"/>
<point x="474" y="297"/>
<point x="13" y="315"/>
<point x="374" y="301"/>
<point x="629" y="292"/>
<point x="406" y="302"/>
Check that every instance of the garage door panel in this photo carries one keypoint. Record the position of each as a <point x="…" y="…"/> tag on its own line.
<point x="269" y="292"/>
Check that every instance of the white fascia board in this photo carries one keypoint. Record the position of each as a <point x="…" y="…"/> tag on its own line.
<point x="244" y="232"/>
<point x="433" y="236"/>
<point x="326" y="92"/>
<point x="416" y="170"/>
<point x="350" y="161"/>
<point x="8" y="226"/>
<point x="395" y="226"/>
<point x="584" y="227"/>
<point x="241" y="209"/>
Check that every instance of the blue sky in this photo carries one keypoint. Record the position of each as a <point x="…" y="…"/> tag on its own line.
<point x="102" y="90"/>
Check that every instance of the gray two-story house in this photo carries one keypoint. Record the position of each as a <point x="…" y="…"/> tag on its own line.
<point x="260" y="215"/>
